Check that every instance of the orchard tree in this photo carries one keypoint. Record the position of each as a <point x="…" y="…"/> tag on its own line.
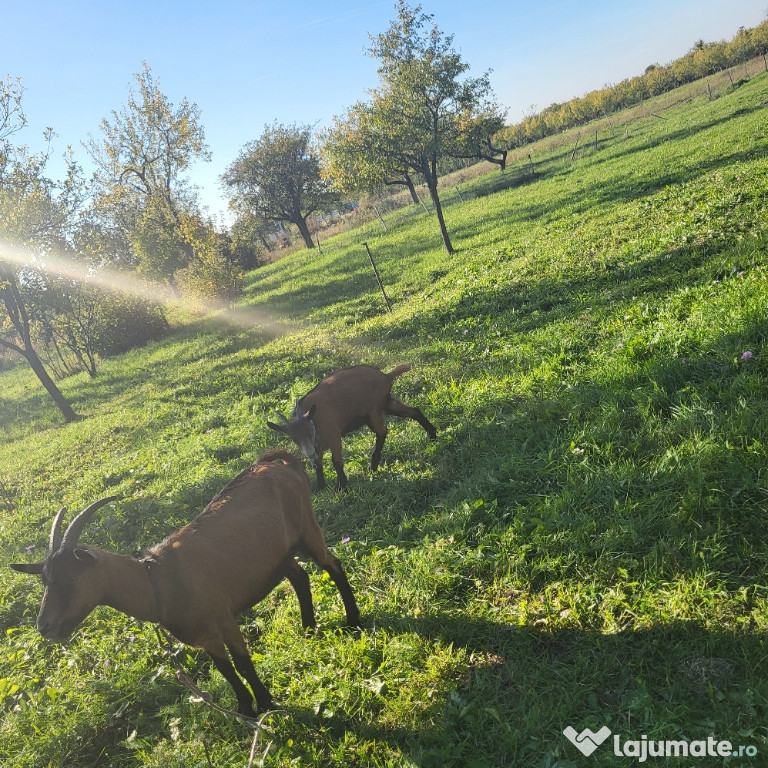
<point x="36" y="213"/>
<point x="251" y="240"/>
<point x="356" y="159"/>
<point x="141" y="158"/>
<point x="81" y="310"/>
<point x="277" y="178"/>
<point x="16" y="333"/>
<point x="425" y="110"/>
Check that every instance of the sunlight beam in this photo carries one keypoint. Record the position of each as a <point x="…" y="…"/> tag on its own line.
<point x="115" y="281"/>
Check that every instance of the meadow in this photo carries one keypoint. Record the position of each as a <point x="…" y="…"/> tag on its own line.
<point x="585" y="543"/>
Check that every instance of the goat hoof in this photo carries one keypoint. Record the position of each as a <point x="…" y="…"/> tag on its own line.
<point x="354" y="627"/>
<point x="261" y="709"/>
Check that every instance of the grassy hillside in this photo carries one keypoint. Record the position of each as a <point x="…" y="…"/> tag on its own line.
<point x="584" y="544"/>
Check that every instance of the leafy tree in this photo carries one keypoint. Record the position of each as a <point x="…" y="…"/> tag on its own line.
<point x="78" y="314"/>
<point x="50" y="247"/>
<point x="62" y="312"/>
<point x="125" y="321"/>
<point x="277" y="178"/>
<point x="141" y="160"/>
<point x="355" y="159"/>
<point x="741" y="47"/>
<point x="215" y="271"/>
<point x="760" y="37"/>
<point x="252" y="238"/>
<point x="17" y="334"/>
<point x="659" y="79"/>
<point x="12" y="118"/>
<point x="36" y="214"/>
<point x="424" y="110"/>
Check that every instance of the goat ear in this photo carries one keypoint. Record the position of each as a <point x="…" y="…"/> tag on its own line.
<point x="276" y="427"/>
<point x="311" y="412"/>
<point x="34" y="568"/>
<point x="85" y="555"/>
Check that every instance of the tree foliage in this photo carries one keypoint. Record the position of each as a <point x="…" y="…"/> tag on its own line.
<point x="277" y="178"/>
<point x="425" y="110"/>
<point x="142" y="158"/>
<point x="77" y="322"/>
<point x="37" y="213"/>
<point x="51" y="246"/>
<point x="215" y="271"/>
<point x="357" y="160"/>
<point x="12" y="118"/>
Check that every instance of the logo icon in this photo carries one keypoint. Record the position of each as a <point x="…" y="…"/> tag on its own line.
<point x="587" y="741"/>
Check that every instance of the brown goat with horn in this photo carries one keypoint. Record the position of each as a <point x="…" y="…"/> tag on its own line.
<point x="341" y="403"/>
<point x="197" y="581"/>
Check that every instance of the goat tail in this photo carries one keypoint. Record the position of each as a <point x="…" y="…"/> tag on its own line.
<point x="399" y="370"/>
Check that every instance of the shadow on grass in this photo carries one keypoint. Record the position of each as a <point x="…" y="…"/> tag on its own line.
<point x="522" y="685"/>
<point x="657" y="467"/>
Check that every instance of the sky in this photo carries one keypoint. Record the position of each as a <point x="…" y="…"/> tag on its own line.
<point x="248" y="64"/>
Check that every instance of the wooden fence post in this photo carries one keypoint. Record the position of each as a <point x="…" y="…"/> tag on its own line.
<point x="378" y="277"/>
<point x="383" y="223"/>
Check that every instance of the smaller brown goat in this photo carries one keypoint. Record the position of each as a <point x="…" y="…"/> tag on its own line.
<point x="197" y="581"/>
<point x="341" y="403"/>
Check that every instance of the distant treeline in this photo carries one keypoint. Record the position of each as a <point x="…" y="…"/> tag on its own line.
<point x="702" y="60"/>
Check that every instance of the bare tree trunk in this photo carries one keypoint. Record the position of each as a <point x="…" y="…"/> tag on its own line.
<point x="301" y="223"/>
<point x="61" y="402"/>
<point x="432" y="186"/>
<point x="411" y="188"/>
<point x="17" y="313"/>
<point x="36" y="364"/>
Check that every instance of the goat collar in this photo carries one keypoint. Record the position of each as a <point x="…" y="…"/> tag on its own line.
<point x="149" y="564"/>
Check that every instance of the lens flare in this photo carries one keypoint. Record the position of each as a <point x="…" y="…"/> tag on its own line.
<point x="117" y="281"/>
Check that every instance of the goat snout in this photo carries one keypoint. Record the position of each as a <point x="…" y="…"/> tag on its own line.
<point x="53" y="632"/>
<point x="309" y="450"/>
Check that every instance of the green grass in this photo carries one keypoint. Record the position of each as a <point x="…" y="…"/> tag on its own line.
<point x="584" y="544"/>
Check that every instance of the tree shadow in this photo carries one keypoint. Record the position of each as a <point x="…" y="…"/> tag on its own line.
<point x="637" y="488"/>
<point x="514" y="695"/>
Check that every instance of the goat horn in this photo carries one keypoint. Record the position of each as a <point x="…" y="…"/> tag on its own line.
<point x="277" y="413"/>
<point x="54" y="541"/>
<point x="72" y="534"/>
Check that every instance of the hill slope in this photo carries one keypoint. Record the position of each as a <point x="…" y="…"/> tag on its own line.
<point x="583" y="545"/>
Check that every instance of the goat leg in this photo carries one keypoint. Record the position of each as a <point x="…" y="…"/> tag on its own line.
<point x="397" y="408"/>
<point x="376" y="455"/>
<point x="244" y="697"/>
<point x="338" y="465"/>
<point x="319" y="473"/>
<point x="300" y="583"/>
<point x="332" y="564"/>
<point x="244" y="666"/>
<point x="341" y="478"/>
